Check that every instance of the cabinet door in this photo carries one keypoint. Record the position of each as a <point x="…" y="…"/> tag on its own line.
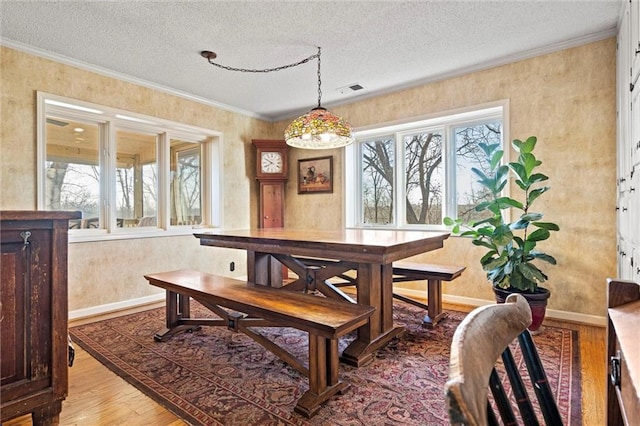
<point x="14" y="287"/>
<point x="26" y="343"/>
<point x="634" y="43"/>
<point x="272" y="204"/>
<point x="630" y="151"/>
<point x="624" y="94"/>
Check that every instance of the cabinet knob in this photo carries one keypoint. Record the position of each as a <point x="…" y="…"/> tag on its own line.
<point x="614" y="370"/>
<point x="25" y="236"/>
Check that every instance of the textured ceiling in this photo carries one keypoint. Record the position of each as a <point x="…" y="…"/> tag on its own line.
<point x="381" y="45"/>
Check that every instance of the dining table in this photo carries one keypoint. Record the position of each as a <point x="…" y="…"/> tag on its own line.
<point x="321" y="259"/>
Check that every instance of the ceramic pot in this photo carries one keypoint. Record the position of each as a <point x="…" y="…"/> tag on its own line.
<point x="537" y="303"/>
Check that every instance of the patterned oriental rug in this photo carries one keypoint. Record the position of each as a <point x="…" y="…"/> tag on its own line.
<point x="217" y="377"/>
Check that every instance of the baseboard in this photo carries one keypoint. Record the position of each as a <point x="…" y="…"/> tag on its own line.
<point x="469" y="301"/>
<point x="97" y="313"/>
<point x="110" y="310"/>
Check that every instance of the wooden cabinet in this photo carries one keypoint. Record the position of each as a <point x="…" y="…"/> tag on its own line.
<point x="623" y="347"/>
<point x="33" y="314"/>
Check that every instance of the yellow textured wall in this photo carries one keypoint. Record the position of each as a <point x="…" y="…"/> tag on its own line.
<point x="112" y="271"/>
<point x="568" y="100"/>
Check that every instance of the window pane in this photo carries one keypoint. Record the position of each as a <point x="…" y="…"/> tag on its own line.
<point x="423" y="177"/>
<point x="186" y="202"/>
<point x="136" y="179"/>
<point x="377" y="180"/>
<point x="72" y="170"/>
<point x="469" y="193"/>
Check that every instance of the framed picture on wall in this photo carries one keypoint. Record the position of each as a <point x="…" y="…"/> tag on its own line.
<point x="315" y="175"/>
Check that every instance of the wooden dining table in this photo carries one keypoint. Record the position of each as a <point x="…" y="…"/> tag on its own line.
<point x="316" y="257"/>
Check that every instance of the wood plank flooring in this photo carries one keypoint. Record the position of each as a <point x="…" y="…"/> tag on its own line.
<point x="98" y="397"/>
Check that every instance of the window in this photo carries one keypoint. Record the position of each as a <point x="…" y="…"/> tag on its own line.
<point x="128" y="174"/>
<point x="413" y="174"/>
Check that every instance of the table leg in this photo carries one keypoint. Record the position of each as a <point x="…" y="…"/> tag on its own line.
<point x="375" y="288"/>
<point x="177" y="309"/>
<point x="263" y="269"/>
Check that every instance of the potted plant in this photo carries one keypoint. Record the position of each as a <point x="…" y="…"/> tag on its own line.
<point x="511" y="257"/>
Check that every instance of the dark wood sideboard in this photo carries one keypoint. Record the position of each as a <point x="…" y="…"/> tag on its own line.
<point x="623" y="389"/>
<point x="34" y="314"/>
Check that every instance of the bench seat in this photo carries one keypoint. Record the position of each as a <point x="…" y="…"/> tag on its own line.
<point x="434" y="274"/>
<point x="242" y="305"/>
<point x="403" y="271"/>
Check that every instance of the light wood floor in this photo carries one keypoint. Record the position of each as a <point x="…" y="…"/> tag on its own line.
<point x="98" y="397"/>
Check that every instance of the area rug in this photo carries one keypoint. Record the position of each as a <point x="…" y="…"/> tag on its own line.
<point x="217" y="377"/>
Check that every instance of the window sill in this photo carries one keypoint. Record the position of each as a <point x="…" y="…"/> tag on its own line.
<point x="85" y="236"/>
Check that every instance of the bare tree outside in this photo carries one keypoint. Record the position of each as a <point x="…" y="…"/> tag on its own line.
<point x="378" y="159"/>
<point x="468" y="154"/>
<point x="185" y="189"/>
<point x="424" y="179"/>
<point x="72" y="186"/>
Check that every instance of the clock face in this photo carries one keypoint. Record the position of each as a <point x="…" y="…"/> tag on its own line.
<point x="271" y="162"/>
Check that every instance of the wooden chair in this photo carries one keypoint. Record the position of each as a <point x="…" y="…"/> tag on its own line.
<point x="483" y="336"/>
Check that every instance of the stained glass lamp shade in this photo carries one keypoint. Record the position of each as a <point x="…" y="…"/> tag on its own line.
<point x="318" y="129"/>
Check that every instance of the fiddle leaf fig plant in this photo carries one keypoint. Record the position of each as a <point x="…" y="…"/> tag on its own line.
<point x="511" y="246"/>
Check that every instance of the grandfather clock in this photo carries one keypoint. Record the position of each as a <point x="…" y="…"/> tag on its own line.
<point x="272" y="173"/>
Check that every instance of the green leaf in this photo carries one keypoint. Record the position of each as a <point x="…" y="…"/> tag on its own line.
<point x="480" y="173"/>
<point x="528" y="246"/>
<point x="495" y="159"/>
<point x="546" y="225"/>
<point x="488" y="148"/>
<point x="482" y="243"/>
<point x="519" y="170"/>
<point x="516" y="143"/>
<point x="496" y="263"/>
<point x="539" y="235"/>
<point x="529" y="145"/>
<point x="531" y="272"/>
<point x="448" y="221"/>
<point x="502" y="235"/>
<point x="536" y="193"/>
<point x="506" y="202"/>
<point x="529" y="162"/>
<point x="531" y="216"/>
<point x="538" y="177"/>
<point x="543" y="256"/>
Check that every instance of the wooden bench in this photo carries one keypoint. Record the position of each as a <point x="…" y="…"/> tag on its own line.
<point x="434" y="274"/>
<point x="402" y="271"/>
<point x="257" y="306"/>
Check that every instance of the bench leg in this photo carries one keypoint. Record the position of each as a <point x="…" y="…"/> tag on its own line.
<point x="323" y="375"/>
<point x="177" y="307"/>
<point x="434" y="304"/>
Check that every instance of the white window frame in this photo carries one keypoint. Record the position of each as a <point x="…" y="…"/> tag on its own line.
<point x="111" y="119"/>
<point x="444" y="122"/>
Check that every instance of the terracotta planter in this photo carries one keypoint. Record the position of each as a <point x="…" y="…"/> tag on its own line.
<point x="537" y="303"/>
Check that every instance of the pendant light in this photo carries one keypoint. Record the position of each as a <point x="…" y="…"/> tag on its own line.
<point x="317" y="129"/>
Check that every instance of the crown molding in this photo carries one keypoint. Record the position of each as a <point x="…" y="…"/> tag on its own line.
<point x="516" y="57"/>
<point x="125" y="77"/>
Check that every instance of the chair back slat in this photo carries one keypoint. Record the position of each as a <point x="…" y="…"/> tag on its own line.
<point x="501" y="399"/>
<point x="491" y="416"/>
<point x="519" y="390"/>
<point x="541" y="386"/>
